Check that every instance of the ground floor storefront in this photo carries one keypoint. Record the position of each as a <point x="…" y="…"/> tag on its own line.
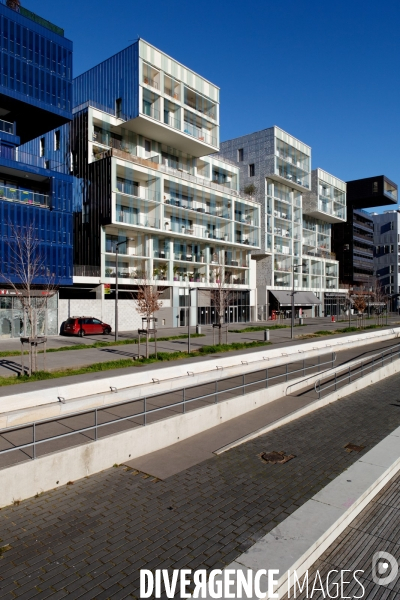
<point x="14" y="322"/>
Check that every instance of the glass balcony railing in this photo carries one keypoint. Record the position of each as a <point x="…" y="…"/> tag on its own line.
<point x="24" y="196"/>
<point x="198" y="133"/>
<point x="151" y="82"/>
<point x="139" y="192"/>
<point x="150" y="111"/>
<point x="199" y="232"/>
<point x="198" y="207"/>
<point x="131" y="218"/>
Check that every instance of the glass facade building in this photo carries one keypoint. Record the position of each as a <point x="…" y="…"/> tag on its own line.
<point x="36" y="185"/>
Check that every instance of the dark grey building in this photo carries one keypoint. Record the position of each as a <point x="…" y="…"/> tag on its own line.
<point x="353" y="241"/>
<point x="386" y="258"/>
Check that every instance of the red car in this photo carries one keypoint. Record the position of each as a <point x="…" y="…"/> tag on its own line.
<point x="85" y="326"/>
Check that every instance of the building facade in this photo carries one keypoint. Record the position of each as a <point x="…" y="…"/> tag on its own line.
<point x="386" y="254"/>
<point x="144" y="127"/>
<point x="353" y="241"/>
<point x="35" y="181"/>
<point x="298" y="207"/>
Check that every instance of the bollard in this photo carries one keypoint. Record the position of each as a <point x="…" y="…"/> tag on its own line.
<point x="266" y="335"/>
<point x="198" y="328"/>
<point x="301" y="321"/>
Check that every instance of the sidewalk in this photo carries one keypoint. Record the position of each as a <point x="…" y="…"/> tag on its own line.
<point x="11" y="366"/>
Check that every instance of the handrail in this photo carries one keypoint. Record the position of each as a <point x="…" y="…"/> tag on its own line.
<point x="311" y="376"/>
<point x="240" y="389"/>
<point x="360" y="365"/>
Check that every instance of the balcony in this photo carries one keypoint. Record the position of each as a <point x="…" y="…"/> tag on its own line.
<point x="197" y="207"/>
<point x="199" y="134"/>
<point x="87" y="271"/>
<point x="136" y="219"/>
<point x="197" y="231"/>
<point x="25" y="158"/>
<point x="11" y="194"/>
<point x="152" y="163"/>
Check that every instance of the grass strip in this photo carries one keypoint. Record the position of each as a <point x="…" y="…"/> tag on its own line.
<point x="102" y="344"/>
<point x="124" y="363"/>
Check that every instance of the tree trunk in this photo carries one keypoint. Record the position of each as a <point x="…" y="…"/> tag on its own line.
<point x="147" y="345"/>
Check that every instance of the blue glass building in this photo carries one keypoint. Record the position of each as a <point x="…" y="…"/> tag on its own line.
<point x="35" y="111"/>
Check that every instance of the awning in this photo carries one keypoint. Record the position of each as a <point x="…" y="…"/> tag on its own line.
<point x="300" y="298"/>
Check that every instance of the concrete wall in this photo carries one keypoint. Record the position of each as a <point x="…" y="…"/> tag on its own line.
<point x="26" y="479"/>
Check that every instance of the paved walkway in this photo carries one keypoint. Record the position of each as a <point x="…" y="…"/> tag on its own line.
<point x="75" y="359"/>
<point x="89" y="539"/>
<point x="376" y="529"/>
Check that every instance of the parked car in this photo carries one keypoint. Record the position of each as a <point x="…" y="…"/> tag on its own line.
<point x="85" y="326"/>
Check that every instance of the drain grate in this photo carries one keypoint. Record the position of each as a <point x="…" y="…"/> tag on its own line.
<point x="276" y="458"/>
<point x="353" y="448"/>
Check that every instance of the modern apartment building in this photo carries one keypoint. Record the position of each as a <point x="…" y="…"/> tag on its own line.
<point x="386" y="254"/>
<point x="144" y="127"/>
<point x="353" y="241"/>
<point x="35" y="183"/>
<point x="298" y="207"/>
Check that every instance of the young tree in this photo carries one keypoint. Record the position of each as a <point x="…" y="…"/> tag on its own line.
<point x="221" y="297"/>
<point x="27" y="266"/>
<point x="359" y="301"/>
<point x="148" y="303"/>
<point x="379" y="296"/>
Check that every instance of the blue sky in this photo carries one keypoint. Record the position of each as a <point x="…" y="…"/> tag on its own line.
<point x="326" y="72"/>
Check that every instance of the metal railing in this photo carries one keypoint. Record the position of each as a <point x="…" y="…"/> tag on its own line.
<point x="357" y="370"/>
<point x="24" y="196"/>
<point x="185" y="393"/>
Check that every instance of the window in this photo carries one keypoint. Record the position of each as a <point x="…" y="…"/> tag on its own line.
<point x="147" y="147"/>
<point x="57" y="140"/>
<point x="252" y="170"/>
<point x="375" y="187"/>
<point x="42" y="146"/>
<point x="240" y="155"/>
<point x="118" y="108"/>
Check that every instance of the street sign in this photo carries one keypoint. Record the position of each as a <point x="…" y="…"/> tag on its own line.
<point x="107" y="288"/>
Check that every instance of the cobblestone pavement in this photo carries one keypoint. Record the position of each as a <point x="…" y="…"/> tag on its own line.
<point x="89" y="539"/>
<point x="376" y="529"/>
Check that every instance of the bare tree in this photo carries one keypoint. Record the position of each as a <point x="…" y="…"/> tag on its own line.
<point x="379" y="295"/>
<point x="27" y="266"/>
<point x="148" y="303"/>
<point x="221" y="297"/>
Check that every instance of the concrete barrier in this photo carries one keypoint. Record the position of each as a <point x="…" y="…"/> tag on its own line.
<point x="19" y="414"/>
<point x="177" y="375"/>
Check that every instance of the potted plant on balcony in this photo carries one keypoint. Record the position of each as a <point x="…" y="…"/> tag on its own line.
<point x="175" y="270"/>
<point x="156" y="272"/>
<point x="201" y="256"/>
<point x="166" y="225"/>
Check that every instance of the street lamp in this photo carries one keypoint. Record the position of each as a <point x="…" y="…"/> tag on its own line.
<point x="190" y="304"/>
<point x="117" y="245"/>
<point x="292" y="296"/>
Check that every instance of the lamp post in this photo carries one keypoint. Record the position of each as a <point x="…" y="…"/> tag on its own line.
<point x="292" y="297"/>
<point x="190" y="304"/>
<point x="117" y="245"/>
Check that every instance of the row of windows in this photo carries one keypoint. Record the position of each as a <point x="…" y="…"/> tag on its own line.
<point x="27" y="79"/>
<point x="34" y="48"/>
